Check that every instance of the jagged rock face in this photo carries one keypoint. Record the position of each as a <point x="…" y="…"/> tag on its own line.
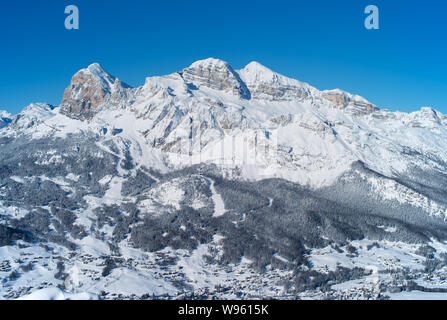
<point x="265" y="84"/>
<point x="216" y="74"/>
<point x="278" y="93"/>
<point x="149" y="181"/>
<point x="344" y="100"/>
<point x="88" y="90"/>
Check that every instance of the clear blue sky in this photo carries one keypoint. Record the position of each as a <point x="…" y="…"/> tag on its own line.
<point x="402" y="66"/>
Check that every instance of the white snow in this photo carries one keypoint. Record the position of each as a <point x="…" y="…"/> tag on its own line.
<point x="17" y="179"/>
<point x="219" y="206"/>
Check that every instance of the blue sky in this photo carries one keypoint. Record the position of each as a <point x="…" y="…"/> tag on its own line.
<point x="402" y="66"/>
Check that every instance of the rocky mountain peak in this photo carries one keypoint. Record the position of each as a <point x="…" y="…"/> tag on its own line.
<point x="254" y="72"/>
<point x="427" y="117"/>
<point x="93" y="87"/>
<point x="216" y="74"/>
<point x="4" y="114"/>
<point x="211" y="63"/>
<point x="88" y="89"/>
<point x="265" y="84"/>
<point x="341" y="99"/>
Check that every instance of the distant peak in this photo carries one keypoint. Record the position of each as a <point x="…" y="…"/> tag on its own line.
<point x="342" y="99"/>
<point x="5" y="118"/>
<point x="211" y="63"/>
<point x="33" y="114"/>
<point x="98" y="72"/>
<point x="429" y="113"/>
<point x="255" y="66"/>
<point x="345" y="94"/>
<point x="4" y="114"/>
<point x="254" y="72"/>
<point x="97" y="69"/>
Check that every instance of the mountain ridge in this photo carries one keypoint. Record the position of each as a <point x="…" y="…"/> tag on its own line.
<point x="108" y="80"/>
<point x="195" y="116"/>
<point x="217" y="74"/>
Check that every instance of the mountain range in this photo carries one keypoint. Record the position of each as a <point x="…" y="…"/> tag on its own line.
<point x="222" y="183"/>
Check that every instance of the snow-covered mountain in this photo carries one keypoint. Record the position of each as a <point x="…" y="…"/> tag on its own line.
<point x="234" y="171"/>
<point x="5" y="118"/>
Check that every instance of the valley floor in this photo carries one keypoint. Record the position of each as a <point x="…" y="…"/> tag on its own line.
<point x="396" y="271"/>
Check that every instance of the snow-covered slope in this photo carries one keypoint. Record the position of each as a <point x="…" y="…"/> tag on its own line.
<point x="176" y="169"/>
<point x="253" y="123"/>
<point x="32" y="115"/>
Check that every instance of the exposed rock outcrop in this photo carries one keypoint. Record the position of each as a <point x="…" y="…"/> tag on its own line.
<point x="89" y="89"/>
<point x="216" y="74"/>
